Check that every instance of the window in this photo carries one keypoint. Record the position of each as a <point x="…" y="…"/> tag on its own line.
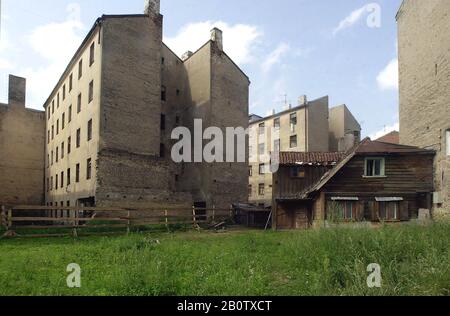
<point x="447" y="137"/>
<point x="345" y="209"/>
<point x="389" y="211"/>
<point x="51" y="183"/>
<point x="57" y="101"/>
<point x="48" y="137"/>
<point x="162" y="150"/>
<point x="48" y="113"/>
<point x="63" y="121"/>
<point x="261" y="189"/>
<point x="48" y="160"/>
<point x="92" y="54"/>
<point x="78" y="137"/>
<point x="79" y="103"/>
<point x="62" y="150"/>
<point x="57" y="154"/>
<point x="276" y="123"/>
<point x="163" y="122"/>
<point x="52" y="158"/>
<point x="70" y="82"/>
<point x="62" y="179"/>
<point x="178" y="92"/>
<point x="64" y="92"/>
<point x="163" y="60"/>
<point x="48" y="184"/>
<point x="163" y="93"/>
<point x="298" y="172"/>
<point x="80" y="69"/>
<point x="293" y="121"/>
<point x="262" y="149"/>
<point x="89" y="169"/>
<point x="69" y="144"/>
<point x="53" y="106"/>
<point x="277" y="146"/>
<point x="262" y="169"/>
<point x="261" y="129"/>
<point x="57" y="127"/>
<point x="77" y="173"/>
<point x="250" y="171"/>
<point x="89" y="130"/>
<point x="68" y="176"/>
<point x="374" y="167"/>
<point x="293" y="142"/>
<point x="91" y="91"/>
<point x="70" y="114"/>
<point x="56" y="182"/>
<point x="53" y="132"/>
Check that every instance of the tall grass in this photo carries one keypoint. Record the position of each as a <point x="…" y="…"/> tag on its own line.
<point x="414" y="261"/>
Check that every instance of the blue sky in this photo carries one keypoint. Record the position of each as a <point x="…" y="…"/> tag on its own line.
<point x="287" y="47"/>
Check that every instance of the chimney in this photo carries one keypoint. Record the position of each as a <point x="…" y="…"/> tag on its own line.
<point x="186" y="55"/>
<point x="217" y="37"/>
<point x="302" y="100"/>
<point x="17" y="90"/>
<point x="152" y="7"/>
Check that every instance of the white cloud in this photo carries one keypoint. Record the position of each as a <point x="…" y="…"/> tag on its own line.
<point x="239" y="39"/>
<point x="385" y="130"/>
<point x="55" y="43"/>
<point x="388" y="78"/>
<point x="275" y="57"/>
<point x="351" y="19"/>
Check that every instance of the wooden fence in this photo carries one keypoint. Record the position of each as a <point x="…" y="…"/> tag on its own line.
<point x="80" y="219"/>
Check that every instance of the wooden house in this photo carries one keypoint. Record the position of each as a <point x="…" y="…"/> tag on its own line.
<point x="373" y="182"/>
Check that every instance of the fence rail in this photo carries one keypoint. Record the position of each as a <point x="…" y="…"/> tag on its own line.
<point x="83" y="219"/>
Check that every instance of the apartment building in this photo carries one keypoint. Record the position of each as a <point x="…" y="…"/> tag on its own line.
<point x="424" y="59"/>
<point x="309" y="127"/>
<point x="21" y="149"/>
<point x="110" y="118"/>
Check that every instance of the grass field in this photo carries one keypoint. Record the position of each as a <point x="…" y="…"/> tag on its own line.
<point x="415" y="260"/>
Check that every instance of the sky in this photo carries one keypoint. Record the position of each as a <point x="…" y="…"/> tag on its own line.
<point x="345" y="49"/>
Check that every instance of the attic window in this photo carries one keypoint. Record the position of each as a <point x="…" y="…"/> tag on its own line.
<point x="374" y="167"/>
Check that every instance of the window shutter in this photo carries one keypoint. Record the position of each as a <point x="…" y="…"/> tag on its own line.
<point x="404" y="211"/>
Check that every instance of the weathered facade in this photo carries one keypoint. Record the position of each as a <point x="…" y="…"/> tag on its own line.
<point x="309" y="127"/>
<point x="374" y="182"/>
<point x="110" y="119"/>
<point x="22" y="142"/>
<point x="424" y="62"/>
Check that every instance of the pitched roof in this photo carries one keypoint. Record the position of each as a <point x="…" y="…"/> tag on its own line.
<point x="368" y="146"/>
<point x="310" y="158"/>
<point x="392" y="138"/>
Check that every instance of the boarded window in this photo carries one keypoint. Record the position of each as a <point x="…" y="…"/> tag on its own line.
<point x="374" y="167"/>
<point x="293" y="142"/>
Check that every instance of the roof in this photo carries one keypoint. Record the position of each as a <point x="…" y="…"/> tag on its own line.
<point x="369" y="147"/>
<point x="392" y="138"/>
<point x="310" y="158"/>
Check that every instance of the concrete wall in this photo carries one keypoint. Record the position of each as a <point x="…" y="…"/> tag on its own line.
<point x="424" y="61"/>
<point x="22" y="143"/>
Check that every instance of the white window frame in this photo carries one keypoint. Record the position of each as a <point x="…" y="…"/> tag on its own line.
<point x="382" y="167"/>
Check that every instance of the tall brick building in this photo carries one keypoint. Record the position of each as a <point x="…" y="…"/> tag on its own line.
<point x="424" y="61"/>
<point x="110" y="118"/>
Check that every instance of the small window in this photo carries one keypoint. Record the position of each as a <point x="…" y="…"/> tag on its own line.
<point x="277" y="146"/>
<point x="53" y="106"/>
<point x="62" y="179"/>
<point x="262" y="129"/>
<point x="51" y="184"/>
<point x="57" y="101"/>
<point x="374" y="167"/>
<point x="89" y="169"/>
<point x="447" y="137"/>
<point x="48" y="137"/>
<point x="78" y="138"/>
<point x="298" y="172"/>
<point x="70" y="114"/>
<point x="293" y="121"/>
<point x="163" y="93"/>
<point x="70" y="82"/>
<point x="48" y="113"/>
<point x="91" y="91"/>
<point x="261" y="189"/>
<point x="262" y="169"/>
<point x="52" y="158"/>
<point x="163" y="60"/>
<point x="79" y="103"/>
<point x="48" y="184"/>
<point x="293" y="142"/>
<point x="163" y="122"/>
<point x="77" y="173"/>
<point x="57" y="154"/>
<point x="53" y="132"/>
<point x="63" y="121"/>
<point x="276" y="123"/>
<point x="250" y="171"/>
<point x="57" y="127"/>
<point x="56" y="182"/>
<point x="62" y="150"/>
<point x="69" y="144"/>
<point x="92" y="54"/>
<point x="89" y="130"/>
<point x="64" y="92"/>
<point x="68" y="176"/>
<point x="345" y="209"/>
<point x="80" y="69"/>
<point x="389" y="211"/>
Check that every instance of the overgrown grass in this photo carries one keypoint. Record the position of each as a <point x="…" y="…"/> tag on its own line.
<point x="414" y="261"/>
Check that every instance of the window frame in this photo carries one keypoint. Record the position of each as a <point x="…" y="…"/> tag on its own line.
<point x="389" y="218"/>
<point x="261" y="189"/>
<point x="382" y="167"/>
<point x="91" y="92"/>
<point x="290" y="141"/>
